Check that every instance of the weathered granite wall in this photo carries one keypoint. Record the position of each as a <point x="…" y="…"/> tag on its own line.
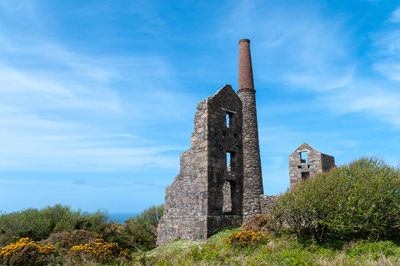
<point x="253" y="185"/>
<point x="207" y="194"/>
<point x="267" y="201"/>
<point x="306" y="162"/>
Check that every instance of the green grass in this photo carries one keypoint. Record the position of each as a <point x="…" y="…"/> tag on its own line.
<point x="283" y="250"/>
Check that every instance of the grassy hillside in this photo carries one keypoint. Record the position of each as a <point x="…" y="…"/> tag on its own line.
<point x="282" y="250"/>
<point x="349" y="216"/>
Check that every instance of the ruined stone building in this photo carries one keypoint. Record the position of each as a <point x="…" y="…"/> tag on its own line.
<point x="306" y="162"/>
<point x="220" y="176"/>
<point x="207" y="194"/>
<point x="220" y="182"/>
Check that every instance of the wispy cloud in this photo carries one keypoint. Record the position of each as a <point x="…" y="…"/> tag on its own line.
<point x="61" y="110"/>
<point x="308" y="51"/>
<point x="395" y="17"/>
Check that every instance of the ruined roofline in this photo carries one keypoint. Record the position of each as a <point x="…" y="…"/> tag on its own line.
<point x="307" y="146"/>
<point x="225" y="87"/>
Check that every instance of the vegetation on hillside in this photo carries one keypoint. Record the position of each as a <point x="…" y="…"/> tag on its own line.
<point x="284" y="249"/>
<point x="57" y="235"/>
<point x="360" y="200"/>
<point x="349" y="216"/>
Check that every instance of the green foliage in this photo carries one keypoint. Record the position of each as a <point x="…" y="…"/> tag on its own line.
<point x="356" y="201"/>
<point x="64" y="240"/>
<point x="141" y="231"/>
<point x="26" y="252"/>
<point x="278" y="250"/>
<point x="377" y="250"/>
<point x="39" y="224"/>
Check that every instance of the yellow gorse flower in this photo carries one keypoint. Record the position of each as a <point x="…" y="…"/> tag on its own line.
<point x="14" y="248"/>
<point x="98" y="250"/>
<point x="244" y="238"/>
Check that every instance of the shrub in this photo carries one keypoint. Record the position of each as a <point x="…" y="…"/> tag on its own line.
<point x="258" y="223"/>
<point x="356" y="201"/>
<point x="66" y="240"/>
<point x="375" y="250"/>
<point x="97" y="251"/>
<point x="141" y="231"/>
<point x="244" y="238"/>
<point x="39" y="224"/>
<point x="26" y="252"/>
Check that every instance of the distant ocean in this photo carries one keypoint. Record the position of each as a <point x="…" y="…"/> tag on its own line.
<point x="119" y="217"/>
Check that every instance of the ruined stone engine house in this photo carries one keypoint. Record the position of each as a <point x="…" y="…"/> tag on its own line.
<point x="220" y="182"/>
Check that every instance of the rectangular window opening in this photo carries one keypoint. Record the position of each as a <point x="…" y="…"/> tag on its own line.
<point x="309" y="166"/>
<point x="227" y="197"/>
<point x="228" y="119"/>
<point x="305" y="175"/>
<point x="303" y="157"/>
<point x="230" y="161"/>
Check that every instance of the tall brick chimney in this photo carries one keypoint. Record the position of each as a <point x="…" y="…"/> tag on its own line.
<point x="245" y="68"/>
<point x="252" y="179"/>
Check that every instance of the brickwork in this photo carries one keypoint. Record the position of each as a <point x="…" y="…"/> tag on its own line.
<point x="207" y="194"/>
<point x="306" y="162"/>
<point x="245" y="67"/>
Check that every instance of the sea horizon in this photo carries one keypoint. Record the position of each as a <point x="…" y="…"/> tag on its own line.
<point x="120" y="217"/>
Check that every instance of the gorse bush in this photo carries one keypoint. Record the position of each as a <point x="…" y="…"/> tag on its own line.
<point x="26" y="252"/>
<point x="244" y="238"/>
<point x="39" y="224"/>
<point x="258" y="223"/>
<point x="356" y="201"/>
<point x="97" y="251"/>
<point x="65" y="240"/>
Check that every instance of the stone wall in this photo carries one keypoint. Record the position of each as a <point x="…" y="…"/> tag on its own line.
<point x="207" y="194"/>
<point x="253" y="186"/>
<point x="252" y="178"/>
<point x="267" y="201"/>
<point x="306" y="162"/>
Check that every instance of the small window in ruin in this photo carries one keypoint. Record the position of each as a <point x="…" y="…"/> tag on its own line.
<point x="309" y="166"/>
<point x="224" y="133"/>
<point x="299" y="166"/>
<point x="228" y="161"/>
<point x="303" y="157"/>
<point x="235" y="136"/>
<point x="227" y="197"/>
<point x="230" y="158"/>
<point x="228" y="119"/>
<point x="305" y="175"/>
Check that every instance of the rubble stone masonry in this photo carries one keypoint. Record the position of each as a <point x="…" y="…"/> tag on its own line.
<point x="207" y="194"/>
<point x="253" y="185"/>
<point x="306" y="162"/>
<point x="220" y="182"/>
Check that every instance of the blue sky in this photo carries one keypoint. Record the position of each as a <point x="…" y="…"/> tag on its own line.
<point x="97" y="98"/>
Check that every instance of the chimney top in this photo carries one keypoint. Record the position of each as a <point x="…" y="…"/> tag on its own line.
<point x="246" y="82"/>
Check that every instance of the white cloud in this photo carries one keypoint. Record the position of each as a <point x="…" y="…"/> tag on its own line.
<point x="395" y="17"/>
<point x="376" y="100"/>
<point x="321" y="81"/>
<point x="61" y="110"/>
<point x="307" y="50"/>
